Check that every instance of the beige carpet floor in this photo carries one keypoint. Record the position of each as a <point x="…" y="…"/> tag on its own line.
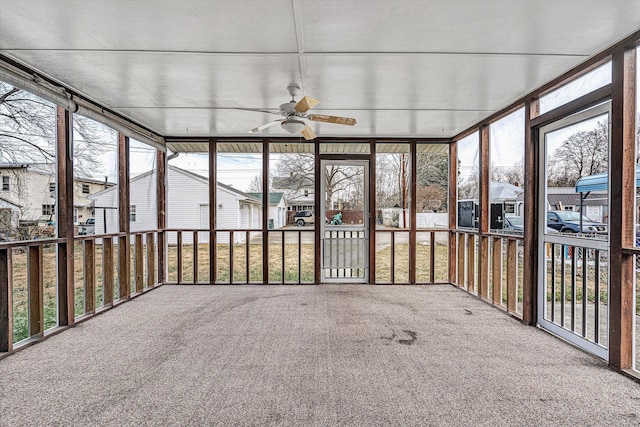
<point x="310" y="356"/>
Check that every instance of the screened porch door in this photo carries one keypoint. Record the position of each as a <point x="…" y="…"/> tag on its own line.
<point x="573" y="288"/>
<point x="344" y="221"/>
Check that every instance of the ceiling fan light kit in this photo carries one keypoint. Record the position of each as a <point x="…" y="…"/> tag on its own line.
<point x="296" y="117"/>
<point x="293" y="126"/>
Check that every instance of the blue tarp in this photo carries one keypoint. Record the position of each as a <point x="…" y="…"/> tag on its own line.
<point x="599" y="182"/>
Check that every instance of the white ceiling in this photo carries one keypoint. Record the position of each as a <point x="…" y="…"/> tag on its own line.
<point x="402" y="68"/>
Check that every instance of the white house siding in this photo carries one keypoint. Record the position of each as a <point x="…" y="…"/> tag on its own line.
<point x="187" y="206"/>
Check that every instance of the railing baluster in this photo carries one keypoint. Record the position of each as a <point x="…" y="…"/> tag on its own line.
<point x="574" y="254"/>
<point x="231" y="256"/>
<point x="432" y="256"/>
<point x="283" y="254"/>
<point x="392" y="265"/>
<point x="512" y="264"/>
<point x="179" y="255"/>
<point x="553" y="282"/>
<point x="585" y="256"/>
<point x="151" y="261"/>
<point x="496" y="271"/>
<point x="139" y="261"/>
<point x="35" y="283"/>
<point x="107" y="271"/>
<point x="596" y="314"/>
<point x="89" y="276"/>
<point x="195" y="258"/>
<point x="471" y="263"/>
<point x="247" y="254"/>
<point x="462" y="247"/>
<point x="299" y="257"/>
<point x="6" y="301"/>
<point x="563" y="285"/>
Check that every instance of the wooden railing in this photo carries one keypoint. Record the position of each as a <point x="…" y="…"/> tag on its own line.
<point x="490" y="266"/>
<point x="104" y="276"/>
<point x="239" y="255"/>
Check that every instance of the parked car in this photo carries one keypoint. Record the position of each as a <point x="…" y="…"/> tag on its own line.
<point x="87" y="227"/>
<point x="569" y="222"/>
<point x="514" y="224"/>
<point x="304" y="217"/>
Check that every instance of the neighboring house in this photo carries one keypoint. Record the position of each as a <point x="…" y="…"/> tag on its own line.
<point x="31" y="190"/>
<point x="187" y="206"/>
<point x="277" y="208"/>
<point x="595" y="204"/>
<point x="298" y="191"/>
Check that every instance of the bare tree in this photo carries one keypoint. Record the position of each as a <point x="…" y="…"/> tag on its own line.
<point x="583" y="153"/>
<point x="298" y="169"/>
<point x="27" y="132"/>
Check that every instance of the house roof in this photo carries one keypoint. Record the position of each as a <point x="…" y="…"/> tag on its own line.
<point x="568" y="197"/>
<point x="274" y="198"/>
<point x="504" y="191"/>
<point x="10" y="202"/>
<point x="292" y="183"/>
<point x="48" y="169"/>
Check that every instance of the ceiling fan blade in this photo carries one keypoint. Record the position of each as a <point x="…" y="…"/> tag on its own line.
<point x="332" y="119"/>
<point x="305" y="104"/>
<point x="308" y="133"/>
<point x="258" y="110"/>
<point x="264" y="126"/>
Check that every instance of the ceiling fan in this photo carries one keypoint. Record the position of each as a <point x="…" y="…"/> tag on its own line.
<point x="296" y="117"/>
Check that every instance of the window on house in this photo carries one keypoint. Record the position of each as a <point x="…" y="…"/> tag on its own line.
<point x="306" y="193"/>
<point x="85" y="188"/>
<point x="52" y="187"/>
<point x="48" y="209"/>
<point x="132" y="213"/>
<point x="75" y="215"/>
<point x="5" y="183"/>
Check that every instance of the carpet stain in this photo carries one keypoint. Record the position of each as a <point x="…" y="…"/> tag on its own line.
<point x="413" y="336"/>
<point x="410" y="341"/>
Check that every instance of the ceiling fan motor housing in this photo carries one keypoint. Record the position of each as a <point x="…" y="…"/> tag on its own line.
<point x="287" y="108"/>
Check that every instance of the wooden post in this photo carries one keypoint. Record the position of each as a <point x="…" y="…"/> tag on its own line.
<point x="107" y="271"/>
<point x="35" y="283"/>
<point x="453" y="212"/>
<point x="213" y="204"/>
<point x="64" y="223"/>
<point x="622" y="207"/>
<point x="124" y="256"/>
<point x="531" y="202"/>
<point x="161" y="190"/>
<point x="483" y="248"/>
<point x="6" y="301"/>
<point x="413" y="209"/>
<point x="89" y="276"/>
